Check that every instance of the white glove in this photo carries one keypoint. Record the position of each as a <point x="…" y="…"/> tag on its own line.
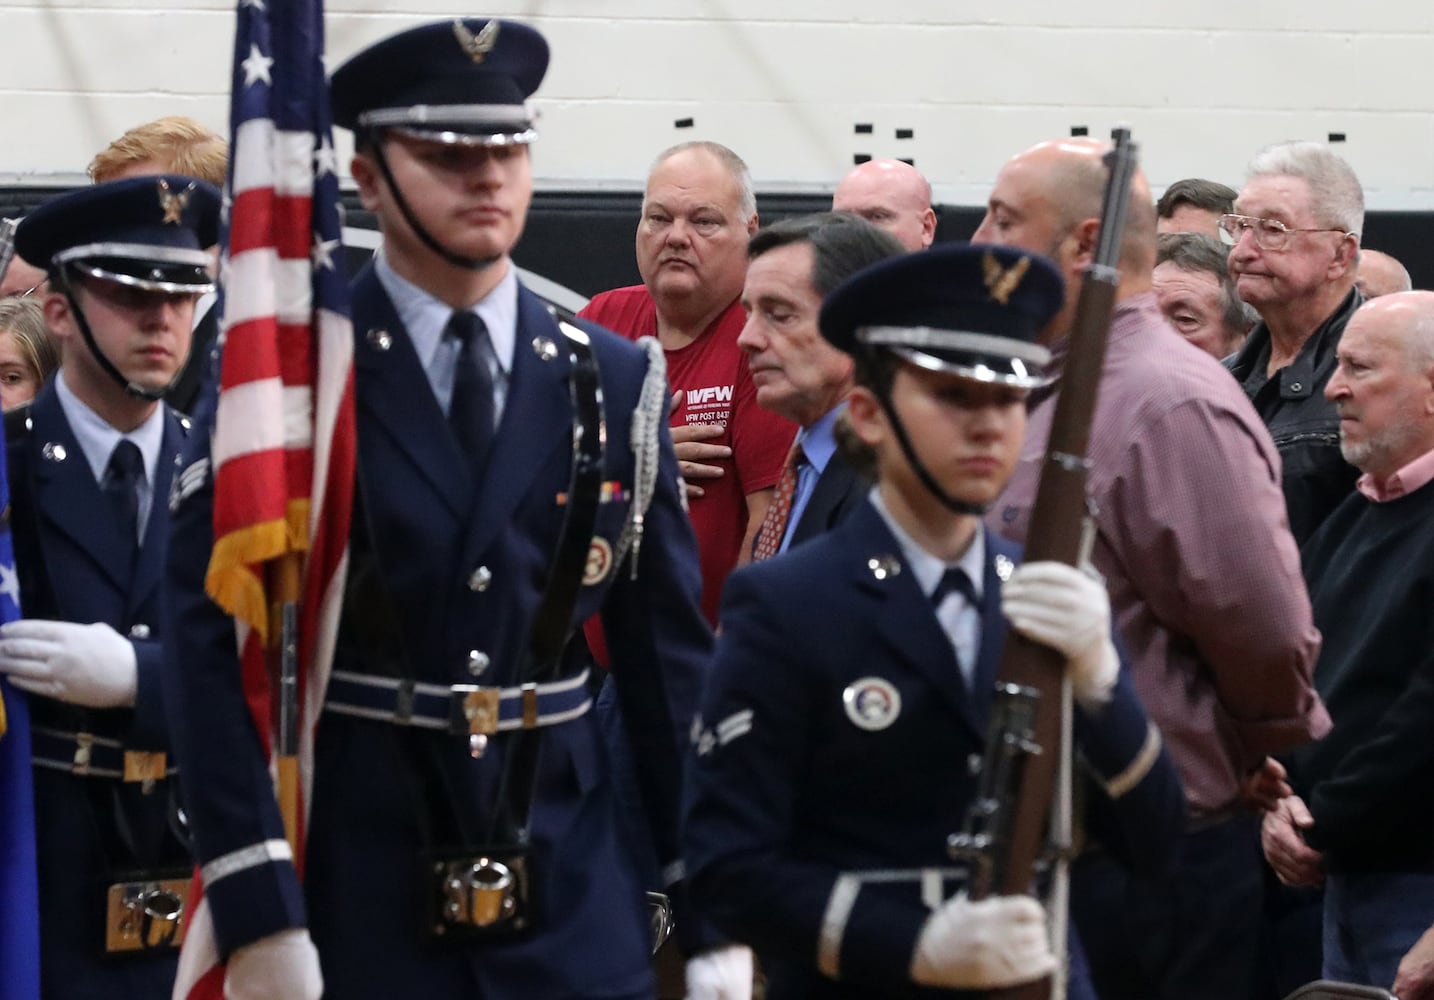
<point x="720" y="974"/>
<point x="1000" y="941"/>
<point x="1059" y="606"/>
<point x="283" y="966"/>
<point x="89" y="665"/>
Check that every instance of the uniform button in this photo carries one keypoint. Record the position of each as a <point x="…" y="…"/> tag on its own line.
<point x="479" y="580"/>
<point x="1297" y="386"/>
<point x="380" y="340"/>
<point x="139" y="631"/>
<point x="477" y="662"/>
<point x="973" y="764"/>
<point x="53" y="452"/>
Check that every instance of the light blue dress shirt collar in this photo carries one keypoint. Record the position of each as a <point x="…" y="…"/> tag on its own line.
<point x="97" y="440"/>
<point x="425" y="318"/>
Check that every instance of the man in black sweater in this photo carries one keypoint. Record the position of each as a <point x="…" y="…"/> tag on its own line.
<point x="1361" y="820"/>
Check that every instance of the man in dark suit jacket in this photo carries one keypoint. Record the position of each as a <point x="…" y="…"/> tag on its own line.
<point x="468" y="395"/>
<point x="90" y="462"/>
<point x="843" y="726"/>
<point x="792" y="266"/>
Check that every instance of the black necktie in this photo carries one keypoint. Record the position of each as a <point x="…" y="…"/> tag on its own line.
<point x="470" y="414"/>
<point x="121" y="484"/>
<point x="955" y="581"/>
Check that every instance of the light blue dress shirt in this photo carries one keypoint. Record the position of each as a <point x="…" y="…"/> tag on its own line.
<point x="425" y="318"/>
<point x="97" y="439"/>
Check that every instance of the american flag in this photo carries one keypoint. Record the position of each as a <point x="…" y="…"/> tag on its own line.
<point x="19" y="894"/>
<point x="283" y="444"/>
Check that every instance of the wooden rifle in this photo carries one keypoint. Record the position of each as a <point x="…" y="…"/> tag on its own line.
<point x="1006" y="840"/>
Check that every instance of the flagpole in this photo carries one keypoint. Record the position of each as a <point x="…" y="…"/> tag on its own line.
<point x="287" y="577"/>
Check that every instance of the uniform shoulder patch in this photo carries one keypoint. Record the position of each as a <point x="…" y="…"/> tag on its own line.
<point x="187" y="482"/>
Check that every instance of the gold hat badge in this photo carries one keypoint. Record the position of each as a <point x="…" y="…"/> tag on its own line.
<point x="476" y="46"/>
<point x="173" y="203"/>
<point x="1002" y="282"/>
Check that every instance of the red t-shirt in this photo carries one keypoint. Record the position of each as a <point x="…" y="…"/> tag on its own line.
<point x="716" y="389"/>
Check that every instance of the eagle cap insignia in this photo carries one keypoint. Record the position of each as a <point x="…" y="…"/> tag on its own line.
<point x="1002" y="282"/>
<point x="476" y="46"/>
<point x="173" y="203"/>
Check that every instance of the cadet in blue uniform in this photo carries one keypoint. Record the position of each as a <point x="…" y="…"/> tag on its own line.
<point x="91" y="460"/>
<point x="853" y="676"/>
<point x="446" y="857"/>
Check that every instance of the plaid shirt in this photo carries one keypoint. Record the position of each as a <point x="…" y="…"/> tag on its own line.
<point x="1193" y="540"/>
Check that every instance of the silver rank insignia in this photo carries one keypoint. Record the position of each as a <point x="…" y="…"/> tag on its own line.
<point x="186" y="483"/>
<point x="1004" y="567"/>
<point x="884" y="567"/>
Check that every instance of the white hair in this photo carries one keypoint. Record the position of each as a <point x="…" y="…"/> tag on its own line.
<point x="1338" y="199"/>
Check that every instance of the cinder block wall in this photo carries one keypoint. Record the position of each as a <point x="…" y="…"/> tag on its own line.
<point x="801" y="87"/>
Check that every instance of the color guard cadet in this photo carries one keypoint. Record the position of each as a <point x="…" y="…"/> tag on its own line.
<point x="515" y="477"/>
<point x="842" y="728"/>
<point x="90" y="463"/>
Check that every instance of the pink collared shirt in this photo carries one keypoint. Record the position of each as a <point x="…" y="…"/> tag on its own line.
<point x="1406" y="480"/>
<point x="1192" y="538"/>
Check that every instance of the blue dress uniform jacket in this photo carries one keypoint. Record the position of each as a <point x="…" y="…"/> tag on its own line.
<point x="805" y="831"/>
<point x="74" y="566"/>
<point x="464" y="560"/>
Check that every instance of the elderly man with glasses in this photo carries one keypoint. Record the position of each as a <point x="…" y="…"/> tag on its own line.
<point x="1294" y="253"/>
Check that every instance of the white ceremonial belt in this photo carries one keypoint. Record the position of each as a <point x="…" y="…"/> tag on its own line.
<point x="848" y="886"/>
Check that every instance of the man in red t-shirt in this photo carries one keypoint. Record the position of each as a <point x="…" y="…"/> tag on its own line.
<point x="697" y="214"/>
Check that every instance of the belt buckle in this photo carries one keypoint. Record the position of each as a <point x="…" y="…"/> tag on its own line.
<point x="145" y="915"/>
<point x="481" y="895"/>
<point x="84" y="750"/>
<point x="475" y="709"/>
<point x="145" y="767"/>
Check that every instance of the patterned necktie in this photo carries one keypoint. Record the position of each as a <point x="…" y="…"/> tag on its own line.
<point x="470" y="413"/>
<point x="121" y="483"/>
<point x="774" y="525"/>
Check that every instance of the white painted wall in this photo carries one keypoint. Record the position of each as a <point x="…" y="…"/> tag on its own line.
<point x="1203" y="84"/>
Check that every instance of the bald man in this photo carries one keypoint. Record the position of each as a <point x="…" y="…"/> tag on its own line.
<point x="1359" y="820"/>
<point x="1204" y="581"/>
<point x="1380" y="274"/>
<point x="891" y="195"/>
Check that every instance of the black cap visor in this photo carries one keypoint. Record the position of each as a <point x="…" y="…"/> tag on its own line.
<point x="457" y="124"/>
<point x="170" y="270"/>
<point x="981" y="357"/>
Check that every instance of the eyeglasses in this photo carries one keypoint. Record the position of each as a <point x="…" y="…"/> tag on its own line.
<point x="1270" y="234"/>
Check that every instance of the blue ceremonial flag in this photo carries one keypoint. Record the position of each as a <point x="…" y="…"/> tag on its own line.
<point x="19" y="895"/>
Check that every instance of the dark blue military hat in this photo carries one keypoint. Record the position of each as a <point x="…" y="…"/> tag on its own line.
<point x="462" y="81"/>
<point x="150" y="232"/>
<point x="968" y="309"/>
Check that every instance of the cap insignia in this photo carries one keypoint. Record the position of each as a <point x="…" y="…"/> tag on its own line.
<point x="173" y="204"/>
<point x="476" y="46"/>
<point x="1002" y="282"/>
